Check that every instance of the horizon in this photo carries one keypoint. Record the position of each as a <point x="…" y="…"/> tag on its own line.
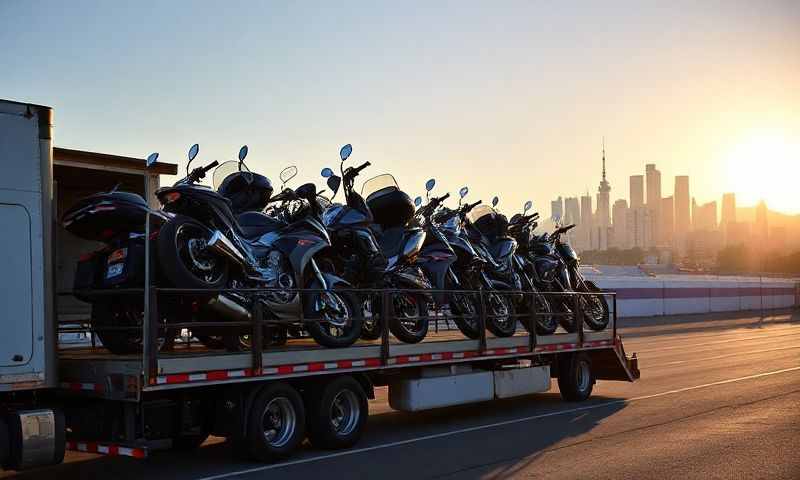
<point x="451" y="91"/>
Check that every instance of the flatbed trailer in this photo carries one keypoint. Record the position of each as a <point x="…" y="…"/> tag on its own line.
<point x="57" y="394"/>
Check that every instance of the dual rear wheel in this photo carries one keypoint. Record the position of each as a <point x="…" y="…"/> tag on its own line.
<point x="332" y="416"/>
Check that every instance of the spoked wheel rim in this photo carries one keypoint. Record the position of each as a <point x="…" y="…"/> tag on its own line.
<point x="279" y="421"/>
<point x="190" y="243"/>
<point x="335" y="314"/>
<point x="408" y="313"/>
<point x="544" y="312"/>
<point x="466" y="309"/>
<point x="501" y="311"/>
<point x="593" y="308"/>
<point x="345" y="412"/>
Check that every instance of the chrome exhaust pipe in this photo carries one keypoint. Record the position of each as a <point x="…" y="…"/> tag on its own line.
<point x="220" y="244"/>
<point x="229" y="309"/>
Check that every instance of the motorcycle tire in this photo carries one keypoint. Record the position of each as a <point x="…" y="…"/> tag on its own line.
<point x="596" y="313"/>
<point x="539" y="316"/>
<point x="182" y="260"/>
<point x="372" y="326"/>
<point x="465" y="308"/>
<point x="107" y="317"/>
<point x="501" y="315"/>
<point x="409" y="328"/>
<point x="328" y="334"/>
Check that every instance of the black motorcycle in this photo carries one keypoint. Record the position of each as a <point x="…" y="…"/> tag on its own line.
<point x="117" y="219"/>
<point x="208" y="245"/>
<point x="373" y="248"/>
<point x="555" y="269"/>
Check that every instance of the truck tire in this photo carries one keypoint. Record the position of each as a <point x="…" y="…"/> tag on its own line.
<point x="575" y="377"/>
<point x="276" y="423"/>
<point x="337" y="413"/>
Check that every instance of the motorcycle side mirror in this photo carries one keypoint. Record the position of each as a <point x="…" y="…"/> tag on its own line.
<point x="242" y="153"/>
<point x="495" y="201"/>
<point x="287" y="174"/>
<point x="333" y="183"/>
<point x="193" y="151"/>
<point x="527" y="207"/>
<point x="462" y="193"/>
<point x="151" y="159"/>
<point x="326" y="172"/>
<point x="430" y="184"/>
<point x="418" y="201"/>
<point x="345" y="152"/>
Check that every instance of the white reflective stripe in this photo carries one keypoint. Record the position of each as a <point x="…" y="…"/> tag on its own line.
<point x="458" y="355"/>
<point x="391" y="361"/>
<point x="87" y="386"/>
<point x="196" y="377"/>
<point x="102" y="449"/>
<point x="237" y="373"/>
<point x="125" y="451"/>
<point x="161" y="380"/>
<point x="414" y="358"/>
<point x="300" y="368"/>
<point x="359" y="363"/>
<point x="436" y="356"/>
<point x="81" y="447"/>
<point x="269" y="371"/>
<point x="329" y="366"/>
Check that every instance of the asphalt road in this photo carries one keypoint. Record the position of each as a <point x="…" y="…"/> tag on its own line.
<point x="719" y="397"/>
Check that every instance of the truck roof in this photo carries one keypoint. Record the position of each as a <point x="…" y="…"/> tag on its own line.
<point x="105" y="160"/>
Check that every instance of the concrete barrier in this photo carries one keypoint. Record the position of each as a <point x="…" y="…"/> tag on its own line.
<point x="687" y="294"/>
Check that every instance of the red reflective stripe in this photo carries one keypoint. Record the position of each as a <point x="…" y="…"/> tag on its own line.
<point x="316" y="367"/>
<point x="217" y="375"/>
<point x="283" y="369"/>
<point x="447" y="355"/>
<point x="113" y="450"/>
<point x="373" y="362"/>
<point x="344" y="364"/>
<point x="178" y="378"/>
<point x="138" y="453"/>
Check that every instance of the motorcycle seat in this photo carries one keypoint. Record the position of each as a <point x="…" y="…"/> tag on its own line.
<point x="256" y="224"/>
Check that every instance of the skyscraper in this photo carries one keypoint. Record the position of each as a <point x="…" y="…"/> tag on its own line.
<point x="619" y="216"/>
<point x="728" y="214"/>
<point x="587" y="223"/>
<point x="557" y="208"/>
<point x="603" y="218"/>
<point x="760" y="227"/>
<point x="682" y="216"/>
<point x="653" y="178"/>
<point x="637" y="191"/>
<point x="705" y="216"/>
<point x="667" y="221"/>
<point x="572" y="210"/>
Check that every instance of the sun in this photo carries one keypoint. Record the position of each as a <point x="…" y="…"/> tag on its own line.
<point x="765" y="165"/>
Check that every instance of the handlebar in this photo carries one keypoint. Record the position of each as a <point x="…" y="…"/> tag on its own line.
<point x="469" y="206"/>
<point x="354" y="171"/>
<point x="199" y="173"/>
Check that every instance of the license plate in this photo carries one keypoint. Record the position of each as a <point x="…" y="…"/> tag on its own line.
<point x="114" y="270"/>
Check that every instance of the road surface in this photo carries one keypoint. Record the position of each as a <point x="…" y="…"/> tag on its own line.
<point x="719" y="397"/>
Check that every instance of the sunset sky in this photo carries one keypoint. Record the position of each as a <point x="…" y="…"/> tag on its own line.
<point x="510" y="98"/>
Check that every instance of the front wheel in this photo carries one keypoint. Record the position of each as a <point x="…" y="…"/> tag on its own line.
<point x="334" y="318"/>
<point x="540" y="315"/>
<point x="409" y="317"/>
<point x="595" y="308"/>
<point x="184" y="258"/>
<point x="501" y="316"/>
<point x="465" y="308"/>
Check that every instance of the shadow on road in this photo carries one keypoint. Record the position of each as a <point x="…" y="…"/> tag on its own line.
<point x="528" y="427"/>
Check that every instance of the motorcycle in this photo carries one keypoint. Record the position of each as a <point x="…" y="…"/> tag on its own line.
<point x="220" y="240"/>
<point x="373" y="248"/>
<point x="555" y="269"/>
<point x="116" y="219"/>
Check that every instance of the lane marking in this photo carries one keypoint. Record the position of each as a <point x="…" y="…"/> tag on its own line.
<point x="491" y="425"/>
<point x="750" y="352"/>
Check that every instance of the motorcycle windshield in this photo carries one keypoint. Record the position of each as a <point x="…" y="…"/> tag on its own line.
<point x="480" y="212"/>
<point x="376" y="184"/>
<point x="224" y="170"/>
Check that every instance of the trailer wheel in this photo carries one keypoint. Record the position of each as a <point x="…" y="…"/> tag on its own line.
<point x="276" y="423"/>
<point x="337" y="413"/>
<point x="575" y="377"/>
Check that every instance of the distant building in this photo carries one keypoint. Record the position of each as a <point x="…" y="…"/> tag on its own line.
<point x="619" y="219"/>
<point x="637" y="223"/>
<point x="702" y="247"/>
<point x="760" y="232"/>
<point x="728" y="213"/>
<point x="653" y="178"/>
<point x="667" y="222"/>
<point x="682" y="212"/>
<point x="587" y="223"/>
<point x="738" y="233"/>
<point x="637" y="191"/>
<point x="704" y="217"/>
<point x="557" y="208"/>
<point x="777" y="239"/>
<point x="572" y="210"/>
<point x="602" y="221"/>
